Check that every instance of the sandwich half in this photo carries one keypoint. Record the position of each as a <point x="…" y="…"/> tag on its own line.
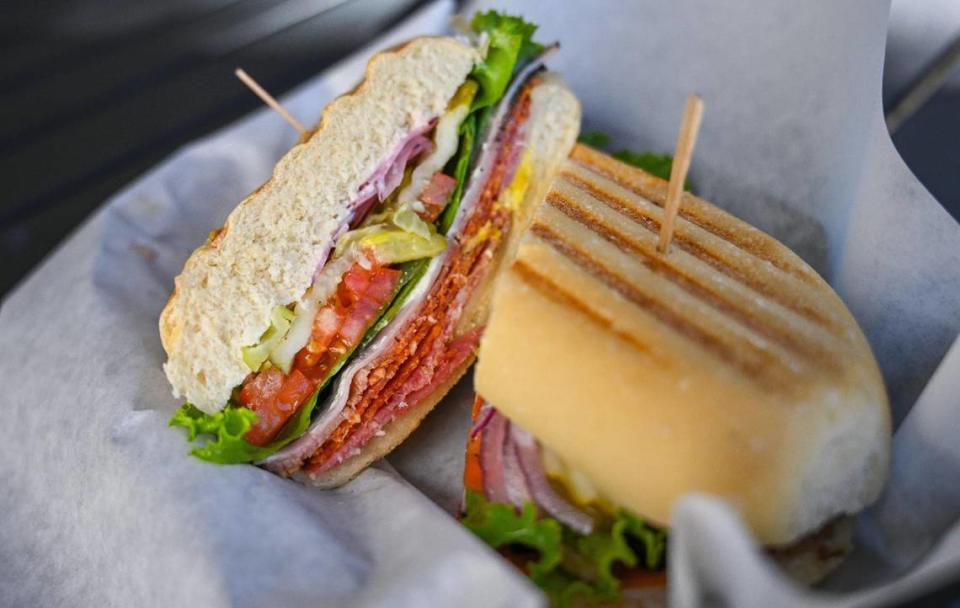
<point x="615" y="379"/>
<point x="344" y="297"/>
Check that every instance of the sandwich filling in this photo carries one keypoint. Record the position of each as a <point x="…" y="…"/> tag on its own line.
<point x="421" y="350"/>
<point x="550" y="521"/>
<point x="380" y="328"/>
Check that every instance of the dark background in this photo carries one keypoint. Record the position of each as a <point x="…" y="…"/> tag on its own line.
<point x="94" y="92"/>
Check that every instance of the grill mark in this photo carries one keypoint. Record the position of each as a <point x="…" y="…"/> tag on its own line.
<point x="551" y="289"/>
<point x="695" y="249"/>
<point x="691" y="216"/>
<point x="759" y="371"/>
<point x="811" y="351"/>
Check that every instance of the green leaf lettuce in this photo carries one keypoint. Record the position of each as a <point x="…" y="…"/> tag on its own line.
<point x="511" y="45"/>
<point x="460" y="166"/>
<point x="499" y="524"/>
<point x="594" y="139"/>
<point x="225" y="430"/>
<point x="651" y="162"/>
<point x="569" y="565"/>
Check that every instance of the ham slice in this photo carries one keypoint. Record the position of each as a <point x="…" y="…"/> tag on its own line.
<point x="384" y="180"/>
<point x="435" y="196"/>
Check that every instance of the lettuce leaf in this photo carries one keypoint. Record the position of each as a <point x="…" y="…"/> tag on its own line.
<point x="569" y="565"/>
<point x="499" y="524"/>
<point x="563" y="589"/>
<point x="227" y="427"/>
<point x="651" y="162"/>
<point x="602" y="549"/>
<point x="594" y="139"/>
<point x="511" y="45"/>
<point x="461" y="164"/>
<point x="654" y="540"/>
<point x="225" y="430"/>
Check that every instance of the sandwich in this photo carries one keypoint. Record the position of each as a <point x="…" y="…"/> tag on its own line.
<point x="344" y="297"/>
<point x="614" y="379"/>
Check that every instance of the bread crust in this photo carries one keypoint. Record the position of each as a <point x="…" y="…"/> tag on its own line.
<point x="266" y="253"/>
<point x="727" y="366"/>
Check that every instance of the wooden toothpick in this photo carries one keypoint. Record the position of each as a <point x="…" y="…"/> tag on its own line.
<point x="686" y="140"/>
<point x="269" y="100"/>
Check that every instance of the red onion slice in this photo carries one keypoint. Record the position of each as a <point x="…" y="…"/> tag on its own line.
<point x="543" y="493"/>
<point x="491" y="459"/>
<point x="514" y="480"/>
<point x="483" y="419"/>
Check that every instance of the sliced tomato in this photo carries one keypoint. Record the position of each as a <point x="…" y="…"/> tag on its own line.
<point x="338" y="328"/>
<point x="341" y="324"/>
<point x="325" y="327"/>
<point x="357" y="320"/>
<point x="380" y="287"/>
<point x="274" y="397"/>
<point x="353" y="285"/>
<point x="382" y="283"/>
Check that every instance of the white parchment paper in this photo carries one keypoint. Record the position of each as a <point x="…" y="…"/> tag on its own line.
<point x="100" y="506"/>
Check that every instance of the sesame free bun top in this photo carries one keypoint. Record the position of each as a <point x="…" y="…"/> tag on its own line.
<point x="726" y="366"/>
